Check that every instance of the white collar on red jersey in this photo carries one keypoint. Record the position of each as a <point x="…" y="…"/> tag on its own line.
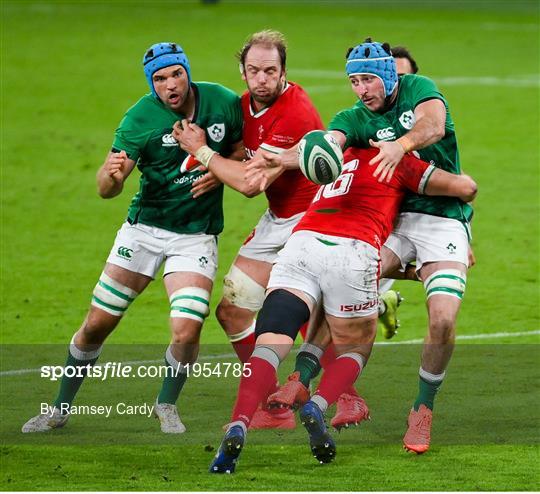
<point x="264" y="110"/>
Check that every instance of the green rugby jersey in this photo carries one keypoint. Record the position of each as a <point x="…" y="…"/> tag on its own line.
<point x="164" y="198"/>
<point x="360" y="125"/>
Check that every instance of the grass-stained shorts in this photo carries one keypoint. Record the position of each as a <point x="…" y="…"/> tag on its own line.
<point x="341" y="273"/>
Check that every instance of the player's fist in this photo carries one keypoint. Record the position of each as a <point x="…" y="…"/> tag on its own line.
<point x="189" y="135"/>
<point x="114" y="166"/>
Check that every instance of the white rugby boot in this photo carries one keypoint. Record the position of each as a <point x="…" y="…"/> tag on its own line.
<point x="45" y="422"/>
<point x="169" y="419"/>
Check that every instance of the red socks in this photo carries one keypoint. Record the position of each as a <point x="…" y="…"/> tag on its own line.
<point x="253" y="389"/>
<point x="339" y="377"/>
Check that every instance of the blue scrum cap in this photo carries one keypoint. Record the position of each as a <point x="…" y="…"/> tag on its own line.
<point x="373" y="58"/>
<point x="163" y="55"/>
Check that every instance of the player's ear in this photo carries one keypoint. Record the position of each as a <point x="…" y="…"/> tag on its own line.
<point x="242" y="71"/>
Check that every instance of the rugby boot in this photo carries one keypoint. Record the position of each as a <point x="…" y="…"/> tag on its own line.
<point x="293" y="394"/>
<point x="276" y="418"/>
<point x="169" y="419"/>
<point x="418" y="433"/>
<point x="229" y="451"/>
<point x="321" y="443"/>
<point x="351" y="410"/>
<point x="388" y="322"/>
<point x="46" y="422"/>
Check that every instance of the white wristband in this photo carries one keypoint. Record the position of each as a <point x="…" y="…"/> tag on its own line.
<point x="204" y="155"/>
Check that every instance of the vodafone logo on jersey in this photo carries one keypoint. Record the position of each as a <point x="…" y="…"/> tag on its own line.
<point x="387" y="134"/>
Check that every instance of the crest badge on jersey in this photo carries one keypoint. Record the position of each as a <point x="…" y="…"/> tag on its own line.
<point x="407" y="120"/>
<point x="216" y="132"/>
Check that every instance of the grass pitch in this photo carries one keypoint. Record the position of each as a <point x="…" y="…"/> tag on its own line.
<point x="70" y="70"/>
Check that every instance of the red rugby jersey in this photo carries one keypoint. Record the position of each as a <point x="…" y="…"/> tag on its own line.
<point x="357" y="205"/>
<point x="278" y="127"/>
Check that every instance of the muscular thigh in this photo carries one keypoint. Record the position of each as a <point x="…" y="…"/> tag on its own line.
<point x="353" y="334"/>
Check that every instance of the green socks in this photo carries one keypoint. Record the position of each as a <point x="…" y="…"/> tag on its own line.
<point x="174" y="381"/>
<point x="307" y="363"/>
<point x="428" y="386"/>
<point x="76" y="367"/>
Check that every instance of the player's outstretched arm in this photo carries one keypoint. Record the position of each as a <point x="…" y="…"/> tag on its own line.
<point x="112" y="174"/>
<point x="442" y="183"/>
<point x="229" y="171"/>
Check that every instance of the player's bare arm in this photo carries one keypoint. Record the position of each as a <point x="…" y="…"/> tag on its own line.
<point x="193" y="140"/>
<point x="429" y="128"/>
<point x="442" y="183"/>
<point x="113" y="173"/>
<point x="209" y="181"/>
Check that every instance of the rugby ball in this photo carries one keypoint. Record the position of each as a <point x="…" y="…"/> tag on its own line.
<point x="320" y="157"/>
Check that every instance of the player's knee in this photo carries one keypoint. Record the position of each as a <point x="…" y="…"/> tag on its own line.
<point x="442" y="328"/>
<point x="185" y="334"/>
<point x="232" y="317"/>
<point x="111" y="296"/>
<point x="242" y="291"/>
<point x="282" y="313"/>
<point x="96" y="328"/>
<point x="226" y="312"/>
<point x="190" y="302"/>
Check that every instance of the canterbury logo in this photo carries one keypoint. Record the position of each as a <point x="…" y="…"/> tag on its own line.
<point x="168" y="141"/>
<point x="386" y="134"/>
<point x="124" y="252"/>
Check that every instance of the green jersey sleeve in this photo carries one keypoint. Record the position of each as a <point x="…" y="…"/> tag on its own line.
<point x="131" y="135"/>
<point x="423" y="89"/>
<point x="346" y="122"/>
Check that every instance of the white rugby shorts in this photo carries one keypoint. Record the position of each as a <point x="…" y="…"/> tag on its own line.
<point x="269" y="237"/>
<point x="425" y="238"/>
<point x="341" y="273"/>
<point x="143" y="249"/>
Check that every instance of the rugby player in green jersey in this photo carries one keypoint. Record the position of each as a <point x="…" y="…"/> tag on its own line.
<point x="165" y="225"/>
<point x="398" y="116"/>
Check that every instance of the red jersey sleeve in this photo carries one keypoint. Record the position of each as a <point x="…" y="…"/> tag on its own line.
<point x="413" y="173"/>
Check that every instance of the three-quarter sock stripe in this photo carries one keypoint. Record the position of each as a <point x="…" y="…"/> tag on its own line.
<point x="178" y="308"/>
<point x="190" y="297"/>
<point x="449" y="291"/>
<point x="116" y="292"/>
<point x="108" y="306"/>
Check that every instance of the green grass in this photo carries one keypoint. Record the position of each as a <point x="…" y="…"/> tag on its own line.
<point x="69" y="70"/>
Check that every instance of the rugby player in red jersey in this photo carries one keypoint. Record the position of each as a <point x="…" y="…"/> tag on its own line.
<point x="331" y="262"/>
<point x="277" y="113"/>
